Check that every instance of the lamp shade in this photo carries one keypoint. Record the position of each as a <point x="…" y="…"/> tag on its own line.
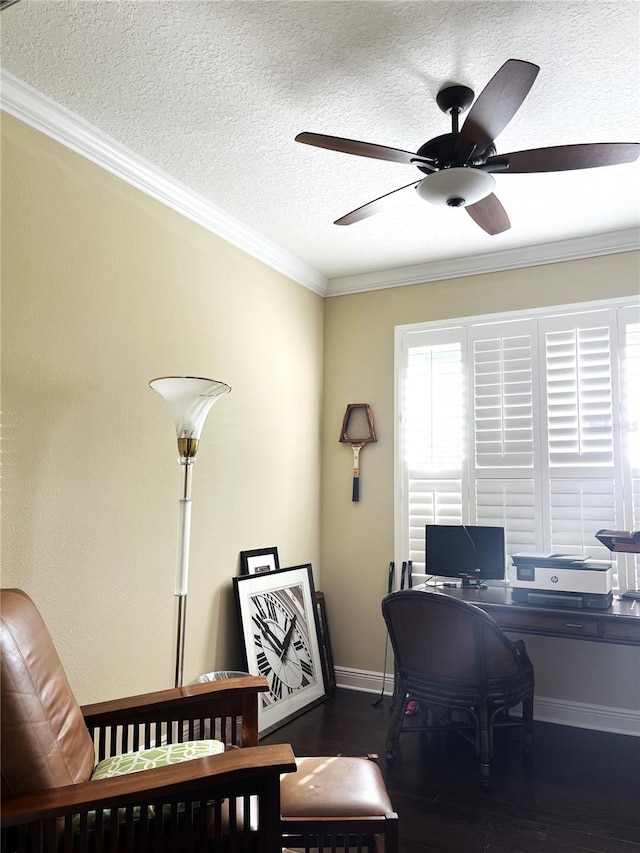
<point x="190" y="398"/>
<point x="456" y="187"/>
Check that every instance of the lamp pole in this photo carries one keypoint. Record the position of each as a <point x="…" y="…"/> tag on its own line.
<point x="190" y="399"/>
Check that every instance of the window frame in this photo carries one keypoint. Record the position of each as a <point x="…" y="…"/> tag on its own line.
<point x="626" y="572"/>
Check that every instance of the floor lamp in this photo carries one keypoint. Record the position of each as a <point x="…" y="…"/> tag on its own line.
<point x="190" y="398"/>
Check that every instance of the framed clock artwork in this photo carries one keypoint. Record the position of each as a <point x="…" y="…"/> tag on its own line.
<point x="278" y="623"/>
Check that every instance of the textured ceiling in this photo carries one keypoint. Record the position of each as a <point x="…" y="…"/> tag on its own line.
<point x="213" y="93"/>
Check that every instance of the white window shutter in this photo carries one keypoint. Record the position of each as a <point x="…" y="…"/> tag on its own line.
<point x="503" y="359"/>
<point x="579" y="508"/>
<point x="509" y="503"/>
<point x="431" y="501"/>
<point x="579" y="405"/>
<point x="629" y="433"/>
<point x="433" y="427"/>
<point x="433" y="407"/>
<point x="502" y="487"/>
<point x="530" y="423"/>
<point x="630" y="375"/>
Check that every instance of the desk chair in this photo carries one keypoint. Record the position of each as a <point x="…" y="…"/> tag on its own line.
<point x="455" y="661"/>
<point x="70" y="780"/>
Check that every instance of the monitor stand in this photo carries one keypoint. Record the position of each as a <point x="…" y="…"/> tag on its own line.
<point x="472" y="583"/>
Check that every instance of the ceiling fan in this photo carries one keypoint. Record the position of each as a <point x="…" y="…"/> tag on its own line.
<point x="459" y="165"/>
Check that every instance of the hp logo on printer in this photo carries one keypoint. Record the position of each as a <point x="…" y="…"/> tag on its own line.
<point x="554" y="578"/>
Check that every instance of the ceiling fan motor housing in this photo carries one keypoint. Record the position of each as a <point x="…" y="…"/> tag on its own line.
<point x="441" y="151"/>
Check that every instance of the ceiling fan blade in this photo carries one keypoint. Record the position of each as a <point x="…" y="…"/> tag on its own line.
<point x="362" y="149"/>
<point x="496" y="105"/>
<point x="370" y="207"/>
<point x="561" y="158"/>
<point x="490" y="215"/>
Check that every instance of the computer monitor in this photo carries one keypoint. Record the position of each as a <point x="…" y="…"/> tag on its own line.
<point x="468" y="552"/>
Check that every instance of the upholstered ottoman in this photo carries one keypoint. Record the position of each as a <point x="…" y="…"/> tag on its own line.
<point x="330" y="798"/>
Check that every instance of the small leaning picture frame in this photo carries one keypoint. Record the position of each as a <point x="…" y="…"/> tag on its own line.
<point x="280" y="640"/>
<point x="259" y="560"/>
<point x="325" y="643"/>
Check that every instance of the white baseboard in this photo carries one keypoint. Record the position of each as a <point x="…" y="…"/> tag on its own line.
<point x="363" y="680"/>
<point x="602" y="718"/>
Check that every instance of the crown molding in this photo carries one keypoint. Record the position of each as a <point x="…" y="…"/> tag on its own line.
<point x="38" y="111"/>
<point x="527" y="256"/>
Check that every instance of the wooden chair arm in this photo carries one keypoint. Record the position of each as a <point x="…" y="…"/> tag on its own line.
<point x="225" y="710"/>
<point x="228" y="774"/>
<point x="174" y="699"/>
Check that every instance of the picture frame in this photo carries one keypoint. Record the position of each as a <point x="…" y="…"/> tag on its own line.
<point x="259" y="560"/>
<point x="279" y="636"/>
<point x="325" y="643"/>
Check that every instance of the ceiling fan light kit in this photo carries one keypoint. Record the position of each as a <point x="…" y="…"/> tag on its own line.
<point x="456" y="187"/>
<point x="458" y="164"/>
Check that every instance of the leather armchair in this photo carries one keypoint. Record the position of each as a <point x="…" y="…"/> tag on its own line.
<point x="50" y="746"/>
<point x="249" y="798"/>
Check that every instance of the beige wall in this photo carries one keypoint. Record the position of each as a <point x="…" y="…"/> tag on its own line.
<point x="358" y="538"/>
<point x="104" y="289"/>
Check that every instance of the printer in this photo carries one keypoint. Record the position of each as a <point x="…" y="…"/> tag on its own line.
<point x="561" y="580"/>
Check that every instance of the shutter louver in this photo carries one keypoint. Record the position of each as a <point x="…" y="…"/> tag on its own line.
<point x="431" y="502"/>
<point x="630" y="426"/>
<point x="510" y="504"/>
<point x="503" y="402"/>
<point x="579" y="402"/>
<point x="629" y="564"/>
<point x="580" y="507"/>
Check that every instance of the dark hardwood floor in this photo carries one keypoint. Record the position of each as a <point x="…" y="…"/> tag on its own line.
<point x="580" y="791"/>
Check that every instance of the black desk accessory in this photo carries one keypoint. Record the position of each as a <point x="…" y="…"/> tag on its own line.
<point x="390" y="579"/>
<point x="625" y="542"/>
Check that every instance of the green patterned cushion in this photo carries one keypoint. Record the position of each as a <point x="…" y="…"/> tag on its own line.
<point x="148" y="759"/>
<point x="158" y="756"/>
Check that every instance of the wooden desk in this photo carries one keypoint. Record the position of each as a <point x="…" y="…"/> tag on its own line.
<point x="620" y="623"/>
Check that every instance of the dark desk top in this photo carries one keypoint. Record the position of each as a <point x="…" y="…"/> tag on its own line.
<point x="501" y="596"/>
<point x="619" y="623"/>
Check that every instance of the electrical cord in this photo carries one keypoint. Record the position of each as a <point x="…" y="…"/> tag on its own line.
<point x="380" y="698"/>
